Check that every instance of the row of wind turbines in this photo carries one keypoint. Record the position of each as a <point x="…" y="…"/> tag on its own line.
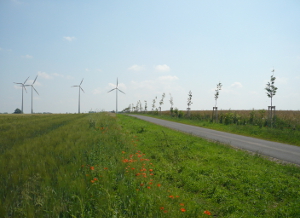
<point x="79" y="88"/>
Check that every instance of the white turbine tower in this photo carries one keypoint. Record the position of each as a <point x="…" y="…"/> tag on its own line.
<point x="23" y="87"/>
<point x="117" y="89"/>
<point x="32" y="93"/>
<point x="79" y="87"/>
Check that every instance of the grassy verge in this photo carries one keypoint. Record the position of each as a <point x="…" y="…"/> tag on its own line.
<point x="96" y="165"/>
<point x="214" y="177"/>
<point x="288" y="136"/>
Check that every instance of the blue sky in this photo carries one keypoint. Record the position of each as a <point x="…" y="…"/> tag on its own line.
<point x="152" y="47"/>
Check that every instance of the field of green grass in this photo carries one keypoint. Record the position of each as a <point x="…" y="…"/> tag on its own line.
<point x="98" y="165"/>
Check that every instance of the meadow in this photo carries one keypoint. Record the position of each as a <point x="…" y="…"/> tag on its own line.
<point x="254" y="123"/>
<point x="99" y="165"/>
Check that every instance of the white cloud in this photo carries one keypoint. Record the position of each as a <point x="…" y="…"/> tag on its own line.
<point x="169" y="78"/>
<point x="162" y="68"/>
<point x="27" y="56"/>
<point x="136" y="68"/>
<point x="160" y="84"/>
<point x="236" y="85"/>
<point x="97" y="91"/>
<point x="57" y="75"/>
<point x="69" y="38"/>
<point x="281" y="80"/>
<point x="44" y="75"/>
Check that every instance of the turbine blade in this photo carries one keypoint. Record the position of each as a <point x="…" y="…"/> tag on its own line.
<point x="75" y="86"/>
<point x="18" y="83"/>
<point x="81" y="81"/>
<point x="111" y="90"/>
<point x="24" y="88"/>
<point x="81" y="89"/>
<point x="26" y="80"/>
<point x="117" y="82"/>
<point x="121" y="91"/>
<point x="34" y="80"/>
<point x="35" y="90"/>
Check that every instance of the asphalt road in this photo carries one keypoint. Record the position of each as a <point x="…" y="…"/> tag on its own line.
<point x="285" y="152"/>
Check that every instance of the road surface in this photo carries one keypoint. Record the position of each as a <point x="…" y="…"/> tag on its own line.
<point x="284" y="152"/>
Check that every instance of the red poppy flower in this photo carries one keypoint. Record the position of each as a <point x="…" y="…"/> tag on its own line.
<point x="207" y="212"/>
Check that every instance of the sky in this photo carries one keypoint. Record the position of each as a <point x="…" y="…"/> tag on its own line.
<point x="152" y="47"/>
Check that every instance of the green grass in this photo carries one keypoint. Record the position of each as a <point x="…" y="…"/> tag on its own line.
<point x="283" y="135"/>
<point x="210" y="176"/>
<point x="96" y="165"/>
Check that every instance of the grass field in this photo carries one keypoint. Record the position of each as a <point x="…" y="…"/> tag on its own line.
<point x="97" y="165"/>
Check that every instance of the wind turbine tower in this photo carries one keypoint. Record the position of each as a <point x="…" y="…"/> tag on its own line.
<point x="117" y="89"/>
<point x="32" y="94"/>
<point x="79" y="87"/>
<point x="23" y="87"/>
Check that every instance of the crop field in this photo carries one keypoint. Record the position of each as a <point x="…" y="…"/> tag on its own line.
<point x="99" y="165"/>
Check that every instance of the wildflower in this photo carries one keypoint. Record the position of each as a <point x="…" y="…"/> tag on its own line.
<point x="92" y="181"/>
<point x="95" y="179"/>
<point x="92" y="168"/>
<point x="171" y="196"/>
<point x="161" y="208"/>
<point x="148" y="187"/>
<point x="151" y="174"/>
<point x="158" y="185"/>
<point x="142" y="184"/>
<point x="123" y="152"/>
<point x="150" y="183"/>
<point x="150" y="170"/>
<point x="105" y="168"/>
<point x="181" y="204"/>
<point x="207" y="212"/>
<point x="183" y="210"/>
<point x="177" y="196"/>
<point x="165" y="211"/>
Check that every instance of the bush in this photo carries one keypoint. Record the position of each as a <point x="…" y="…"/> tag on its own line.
<point x="18" y="111"/>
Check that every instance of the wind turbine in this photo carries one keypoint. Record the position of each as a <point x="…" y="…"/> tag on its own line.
<point x="23" y="87"/>
<point x="32" y="94"/>
<point x="117" y="89"/>
<point x="79" y="87"/>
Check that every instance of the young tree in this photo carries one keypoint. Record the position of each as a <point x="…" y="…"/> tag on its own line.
<point x="141" y="107"/>
<point x="171" y="102"/>
<point x="271" y="88"/>
<point x="189" y="102"/>
<point x="161" y="102"/>
<point x="271" y="91"/>
<point x="153" y="103"/>
<point x="145" y="106"/>
<point x="219" y="86"/>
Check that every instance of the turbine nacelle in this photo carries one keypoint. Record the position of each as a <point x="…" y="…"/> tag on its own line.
<point x="117" y="89"/>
